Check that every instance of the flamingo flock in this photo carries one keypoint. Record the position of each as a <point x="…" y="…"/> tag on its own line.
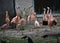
<point x="48" y="19"/>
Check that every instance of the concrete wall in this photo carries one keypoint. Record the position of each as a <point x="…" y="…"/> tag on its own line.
<point x="27" y="4"/>
<point x="23" y="3"/>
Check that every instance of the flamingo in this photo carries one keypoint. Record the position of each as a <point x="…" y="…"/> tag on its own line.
<point x="31" y="17"/>
<point x="16" y="20"/>
<point x="45" y="19"/>
<point x="7" y="20"/>
<point x="23" y="21"/>
<point x="22" y="24"/>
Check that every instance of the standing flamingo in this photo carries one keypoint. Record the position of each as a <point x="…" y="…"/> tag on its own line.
<point x="31" y="17"/>
<point x="45" y="19"/>
<point x="7" y="20"/>
<point x="16" y="19"/>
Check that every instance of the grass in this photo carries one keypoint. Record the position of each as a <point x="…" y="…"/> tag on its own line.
<point x="35" y="40"/>
<point x="18" y="41"/>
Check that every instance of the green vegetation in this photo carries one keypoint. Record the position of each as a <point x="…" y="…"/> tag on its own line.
<point x="35" y="40"/>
